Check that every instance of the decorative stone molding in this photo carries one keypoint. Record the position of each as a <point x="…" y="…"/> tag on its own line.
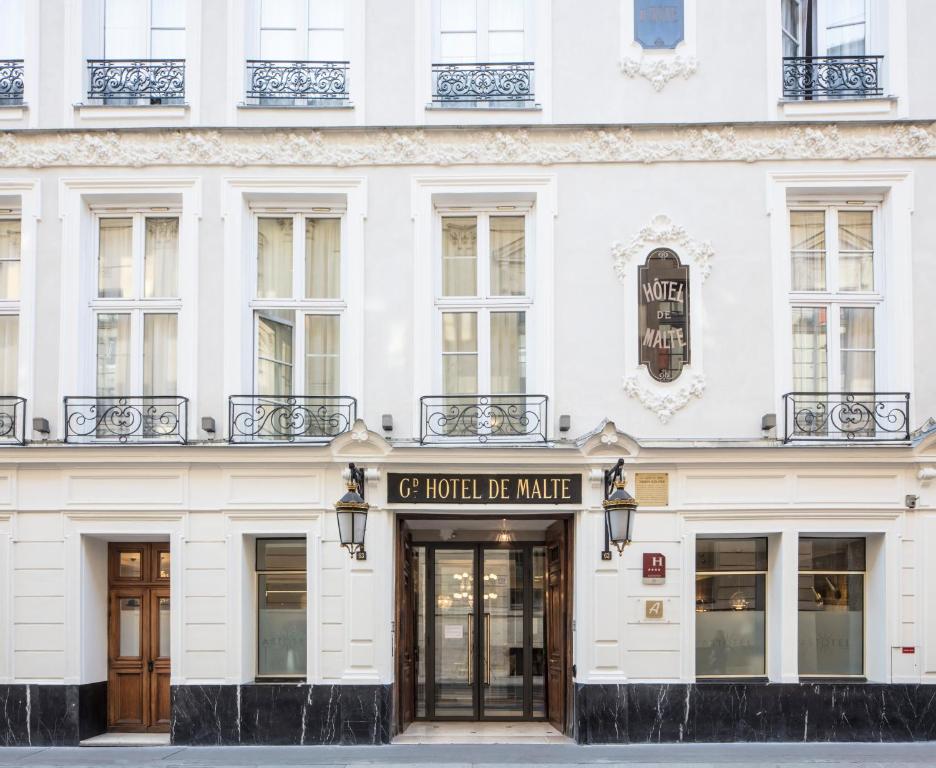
<point x="659" y="70"/>
<point x="661" y="231"/>
<point x="665" y="402"/>
<point x="242" y="147"/>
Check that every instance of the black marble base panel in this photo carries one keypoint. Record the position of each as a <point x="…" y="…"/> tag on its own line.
<point x="636" y="713"/>
<point x="51" y="715"/>
<point x="280" y="713"/>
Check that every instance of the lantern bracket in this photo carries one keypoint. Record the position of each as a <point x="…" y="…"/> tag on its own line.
<point x="610" y="476"/>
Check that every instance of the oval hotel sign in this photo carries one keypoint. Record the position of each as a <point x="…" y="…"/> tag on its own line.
<point x="658" y="23"/>
<point x="663" y="314"/>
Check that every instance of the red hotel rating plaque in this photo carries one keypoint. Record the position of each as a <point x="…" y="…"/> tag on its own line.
<point x="654" y="568"/>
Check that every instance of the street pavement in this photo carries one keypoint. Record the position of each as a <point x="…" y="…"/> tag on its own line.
<point x="483" y="756"/>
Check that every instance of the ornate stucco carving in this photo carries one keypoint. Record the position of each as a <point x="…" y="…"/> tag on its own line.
<point x="417" y="146"/>
<point x="661" y="231"/>
<point x="659" y="69"/>
<point x="665" y="402"/>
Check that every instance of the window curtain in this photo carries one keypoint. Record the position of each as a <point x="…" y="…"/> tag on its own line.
<point x="161" y="258"/>
<point x="9" y="350"/>
<point x="113" y="354"/>
<point x="323" y="258"/>
<point x="460" y="353"/>
<point x="115" y="258"/>
<point x="160" y="356"/>
<point x="10" y="240"/>
<point x="274" y="258"/>
<point x="508" y="353"/>
<point x="459" y="256"/>
<point x="322" y="355"/>
<point x="508" y="256"/>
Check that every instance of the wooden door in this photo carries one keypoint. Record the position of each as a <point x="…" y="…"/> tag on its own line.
<point x="138" y="638"/>
<point x="556" y="637"/>
<point x="406" y="634"/>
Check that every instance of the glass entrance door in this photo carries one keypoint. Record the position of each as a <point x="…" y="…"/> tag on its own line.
<point x="485" y="638"/>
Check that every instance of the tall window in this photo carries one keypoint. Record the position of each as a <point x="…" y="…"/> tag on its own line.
<point x="12" y="29"/>
<point x="297" y="305"/>
<point x="302" y="30"/>
<point x="281" y="608"/>
<point x="731" y="607"/>
<point x="136" y="305"/>
<point x="825" y="27"/>
<point x="482" y="31"/>
<point x="836" y="298"/>
<point x="831" y="606"/>
<point x="135" y="29"/>
<point x="483" y="300"/>
<point x="10" y="245"/>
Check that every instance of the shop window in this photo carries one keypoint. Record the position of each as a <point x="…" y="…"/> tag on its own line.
<point x="281" y="608"/>
<point x="731" y="607"/>
<point x="831" y="607"/>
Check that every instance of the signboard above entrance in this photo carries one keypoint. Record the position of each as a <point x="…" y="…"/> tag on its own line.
<point x="405" y="488"/>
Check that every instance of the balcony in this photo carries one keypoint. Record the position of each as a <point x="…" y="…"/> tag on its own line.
<point x="11" y="82"/>
<point x="479" y="419"/>
<point x="297" y="83"/>
<point x="846" y="417"/>
<point x="126" y="420"/>
<point x="12" y="420"/>
<point x="289" y="419"/>
<point x="831" y="77"/>
<point x="136" y="81"/>
<point x="505" y="85"/>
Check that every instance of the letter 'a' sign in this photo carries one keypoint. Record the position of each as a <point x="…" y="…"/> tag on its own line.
<point x="663" y="314"/>
<point x="659" y="23"/>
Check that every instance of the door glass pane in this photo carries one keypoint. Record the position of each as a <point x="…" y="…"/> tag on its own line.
<point x="807" y="250"/>
<point x="125" y="29"/>
<point x="9" y="354"/>
<point x="10" y="244"/>
<point x="274" y="258"/>
<point x="323" y="258"/>
<point x="113" y="354"/>
<point x="326" y="14"/>
<point x="810" y="349"/>
<point x="13" y="30"/>
<point x="161" y="258"/>
<point x="856" y="251"/>
<point x="789" y="13"/>
<point x="279" y="13"/>
<point x="275" y="352"/>
<point x="164" y="565"/>
<point x="419" y="571"/>
<point x="505" y="46"/>
<point x="130" y="626"/>
<point x="831" y="554"/>
<point x="831" y="624"/>
<point x="508" y="256"/>
<point x="160" y="358"/>
<point x="857" y="346"/>
<point x="458" y="47"/>
<point x="845" y="27"/>
<point x="115" y="258"/>
<point x="322" y="355"/>
<point x="502" y="656"/>
<point x="326" y="44"/>
<point x="281" y="554"/>
<point x="282" y="624"/>
<point x="459" y="256"/>
<point x="168" y="43"/>
<point x="538" y="637"/>
<point x="459" y="353"/>
<point x="730" y="625"/>
<point x="279" y="44"/>
<point x="168" y="13"/>
<point x="508" y="352"/>
<point x="130" y="565"/>
<point x="457" y="15"/>
<point x="164" y="627"/>
<point x="454" y="632"/>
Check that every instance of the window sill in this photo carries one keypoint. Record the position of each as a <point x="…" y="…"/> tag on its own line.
<point x="822" y="108"/>
<point x="13" y="111"/>
<point x="136" y="111"/>
<point x="484" y="106"/>
<point x="314" y="107"/>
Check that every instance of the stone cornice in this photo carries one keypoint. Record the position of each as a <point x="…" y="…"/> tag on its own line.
<point x="466" y="146"/>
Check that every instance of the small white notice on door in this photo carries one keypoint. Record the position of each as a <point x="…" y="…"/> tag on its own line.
<point x="453" y="632"/>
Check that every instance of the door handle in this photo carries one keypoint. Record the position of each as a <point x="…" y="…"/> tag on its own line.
<point x="149" y="665"/>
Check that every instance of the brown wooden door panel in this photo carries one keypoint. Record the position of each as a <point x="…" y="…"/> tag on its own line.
<point x="406" y="622"/>
<point x="556" y="625"/>
<point x="125" y="698"/>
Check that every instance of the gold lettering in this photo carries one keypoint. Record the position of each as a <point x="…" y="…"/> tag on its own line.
<point x="492" y="488"/>
<point x="537" y="492"/>
<point x="443" y="488"/>
<point x="464" y="487"/>
<point x="474" y="488"/>
<point x="523" y="488"/>
<point x="504" y="491"/>
<point x="431" y="488"/>
<point x="565" y="488"/>
<point x="405" y="489"/>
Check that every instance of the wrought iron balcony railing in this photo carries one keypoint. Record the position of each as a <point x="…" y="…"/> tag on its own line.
<point x="11" y="81"/>
<point x="483" y="418"/>
<point x="126" y="420"/>
<point x="296" y="82"/>
<point x="509" y="82"/>
<point x="12" y="420"/>
<point x="289" y="419"/>
<point x="825" y="77"/>
<point x="132" y="81"/>
<point x="856" y="417"/>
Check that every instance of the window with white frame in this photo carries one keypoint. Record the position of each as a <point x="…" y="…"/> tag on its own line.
<point x="144" y="29"/>
<point x="297" y="305"/>
<point x="469" y="31"/>
<point x="483" y="301"/>
<point x="282" y="592"/>
<point x="301" y="30"/>
<point x="825" y="27"/>
<point x="10" y="255"/>
<point x="136" y="304"/>
<point x="836" y="295"/>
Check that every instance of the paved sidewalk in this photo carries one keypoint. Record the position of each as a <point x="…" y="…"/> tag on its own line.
<point x="486" y="756"/>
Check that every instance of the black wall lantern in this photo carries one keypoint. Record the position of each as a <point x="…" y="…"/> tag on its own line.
<point x="620" y="509"/>
<point x="352" y="514"/>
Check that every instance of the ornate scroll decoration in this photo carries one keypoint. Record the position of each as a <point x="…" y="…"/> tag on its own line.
<point x="136" y="79"/>
<point x="659" y="69"/>
<point x="482" y="82"/>
<point x="11" y="81"/>
<point x="286" y="80"/>
<point x="264" y="419"/>
<point x="807" y="77"/>
<point x="482" y="418"/>
<point x="661" y="232"/>
<point x="846" y="416"/>
<point x="665" y="403"/>
<point x="126" y="419"/>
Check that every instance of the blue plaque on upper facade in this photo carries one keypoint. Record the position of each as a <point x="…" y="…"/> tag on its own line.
<point x="658" y="23"/>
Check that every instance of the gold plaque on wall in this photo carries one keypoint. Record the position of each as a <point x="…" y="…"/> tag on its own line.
<point x="653" y="609"/>
<point x="652" y="489"/>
